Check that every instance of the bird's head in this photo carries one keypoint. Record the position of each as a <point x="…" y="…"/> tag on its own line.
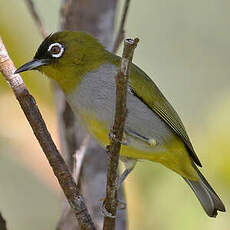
<point x="66" y="57"/>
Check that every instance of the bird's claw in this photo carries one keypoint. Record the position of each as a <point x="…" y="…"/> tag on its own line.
<point x="105" y="213"/>
<point x="121" y="205"/>
<point x="112" y="136"/>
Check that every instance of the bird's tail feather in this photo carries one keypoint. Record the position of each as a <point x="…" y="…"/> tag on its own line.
<point x="206" y="195"/>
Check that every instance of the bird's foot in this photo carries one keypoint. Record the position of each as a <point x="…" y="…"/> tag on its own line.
<point x="121" y="205"/>
<point x="105" y="213"/>
<point x="112" y="136"/>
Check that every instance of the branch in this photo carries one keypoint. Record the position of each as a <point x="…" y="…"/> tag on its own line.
<point x="121" y="32"/>
<point x="36" y="18"/>
<point x="2" y="223"/>
<point x="79" y="156"/>
<point x="110" y="204"/>
<point x="38" y="125"/>
<point x="88" y="16"/>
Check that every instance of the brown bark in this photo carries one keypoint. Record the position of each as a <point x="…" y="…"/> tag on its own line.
<point x="97" y="18"/>
<point x="116" y="135"/>
<point x="2" y="223"/>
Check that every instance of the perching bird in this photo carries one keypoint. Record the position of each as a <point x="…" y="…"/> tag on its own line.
<point x="85" y="72"/>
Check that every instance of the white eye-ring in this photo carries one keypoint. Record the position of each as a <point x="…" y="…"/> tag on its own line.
<point x="56" y="50"/>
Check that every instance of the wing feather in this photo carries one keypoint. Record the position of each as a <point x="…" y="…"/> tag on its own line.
<point x="146" y="90"/>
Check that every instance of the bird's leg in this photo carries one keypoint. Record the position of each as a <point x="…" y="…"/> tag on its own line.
<point x="129" y="166"/>
<point x="124" y="140"/>
<point x="126" y="172"/>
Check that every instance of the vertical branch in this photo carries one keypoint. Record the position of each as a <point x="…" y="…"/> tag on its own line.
<point x="97" y="18"/>
<point x="116" y="136"/>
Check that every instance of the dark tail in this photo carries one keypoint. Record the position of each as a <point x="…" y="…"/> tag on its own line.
<point x="206" y="195"/>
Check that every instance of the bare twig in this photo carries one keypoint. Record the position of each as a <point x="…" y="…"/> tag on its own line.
<point x="38" y="125"/>
<point x="121" y="32"/>
<point x="110" y="204"/>
<point x="2" y="223"/>
<point x="79" y="156"/>
<point x="36" y="18"/>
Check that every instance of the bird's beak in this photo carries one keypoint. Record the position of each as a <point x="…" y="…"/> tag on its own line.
<point x="31" y="65"/>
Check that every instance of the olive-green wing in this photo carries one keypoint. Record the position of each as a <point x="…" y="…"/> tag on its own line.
<point x="146" y="90"/>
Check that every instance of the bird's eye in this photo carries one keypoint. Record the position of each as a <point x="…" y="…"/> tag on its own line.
<point x="56" y="50"/>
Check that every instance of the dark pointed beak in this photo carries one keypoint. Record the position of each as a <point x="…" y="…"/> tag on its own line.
<point x="31" y="65"/>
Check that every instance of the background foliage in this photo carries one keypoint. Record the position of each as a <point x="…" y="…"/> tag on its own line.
<point x="185" y="49"/>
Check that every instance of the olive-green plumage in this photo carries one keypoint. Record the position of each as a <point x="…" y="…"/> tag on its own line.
<point x="85" y="72"/>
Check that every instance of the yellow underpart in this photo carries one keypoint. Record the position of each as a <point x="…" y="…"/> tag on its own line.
<point x="175" y="158"/>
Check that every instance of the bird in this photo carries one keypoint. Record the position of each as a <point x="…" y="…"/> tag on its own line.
<point x="85" y="71"/>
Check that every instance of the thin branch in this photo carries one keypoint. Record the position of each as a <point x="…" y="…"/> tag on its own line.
<point x="36" y="18"/>
<point x="121" y="32"/>
<point x="38" y="125"/>
<point x="110" y="204"/>
<point x="2" y="223"/>
<point x="79" y="157"/>
<point x="67" y="221"/>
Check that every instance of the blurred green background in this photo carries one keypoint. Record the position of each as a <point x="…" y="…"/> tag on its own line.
<point x="185" y="49"/>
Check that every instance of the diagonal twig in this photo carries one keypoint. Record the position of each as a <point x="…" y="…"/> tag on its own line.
<point x="36" y="18"/>
<point x="110" y="203"/>
<point x="33" y="115"/>
<point x="121" y="32"/>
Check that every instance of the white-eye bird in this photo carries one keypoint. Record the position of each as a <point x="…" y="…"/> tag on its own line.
<point x="86" y="71"/>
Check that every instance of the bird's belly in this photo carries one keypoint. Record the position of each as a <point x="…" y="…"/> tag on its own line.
<point x="170" y="151"/>
<point x="133" y="148"/>
<point x="172" y="154"/>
